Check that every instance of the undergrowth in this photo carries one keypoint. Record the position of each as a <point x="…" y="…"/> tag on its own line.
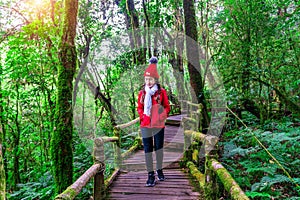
<point x="253" y="168"/>
<point x="41" y="185"/>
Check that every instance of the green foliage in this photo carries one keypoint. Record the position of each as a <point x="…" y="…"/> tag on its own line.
<point x="43" y="189"/>
<point x="82" y="161"/>
<point x="254" y="169"/>
<point x="27" y="105"/>
<point x="253" y="195"/>
<point x="254" y="44"/>
<point x="258" y="58"/>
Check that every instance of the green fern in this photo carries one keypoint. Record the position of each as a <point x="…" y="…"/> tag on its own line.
<point x="265" y="169"/>
<point x="257" y="194"/>
<point x="254" y="169"/>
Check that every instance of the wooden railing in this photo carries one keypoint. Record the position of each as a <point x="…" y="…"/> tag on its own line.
<point x="96" y="171"/>
<point x="200" y="149"/>
<point x="193" y="118"/>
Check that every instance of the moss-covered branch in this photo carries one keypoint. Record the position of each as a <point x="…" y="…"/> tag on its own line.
<point x="106" y="139"/>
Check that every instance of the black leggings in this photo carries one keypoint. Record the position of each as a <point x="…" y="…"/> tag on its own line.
<point x="158" y="134"/>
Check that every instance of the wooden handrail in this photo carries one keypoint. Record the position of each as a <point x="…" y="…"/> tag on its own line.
<point x="106" y="139"/>
<point x="96" y="171"/>
<point x="206" y="180"/>
<point x="72" y="191"/>
<point x="137" y="143"/>
<point x="229" y="183"/>
<point x="196" y="173"/>
<point x="209" y="141"/>
<point x="197" y="105"/>
<point x="128" y="123"/>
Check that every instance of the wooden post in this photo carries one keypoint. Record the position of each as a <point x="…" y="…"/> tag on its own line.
<point x="99" y="177"/>
<point x="99" y="186"/>
<point x="188" y="107"/>
<point x="200" y="118"/>
<point x="183" y="106"/>
<point x="187" y="142"/>
<point x="117" y="148"/>
<point x="211" y="188"/>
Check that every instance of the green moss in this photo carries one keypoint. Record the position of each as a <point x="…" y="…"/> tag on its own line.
<point x="61" y="140"/>
<point x="68" y="194"/>
<point x="195" y="155"/>
<point x="196" y="174"/>
<point x="2" y="175"/>
<point x="211" y="190"/>
<point x="229" y="183"/>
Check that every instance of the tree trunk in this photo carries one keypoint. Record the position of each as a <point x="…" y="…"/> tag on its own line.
<point x="246" y="67"/>
<point x="16" y="142"/>
<point x="106" y="101"/>
<point x="2" y="131"/>
<point x="193" y="57"/>
<point x="179" y="43"/>
<point x="61" y="141"/>
<point x="136" y="35"/>
<point x="2" y="171"/>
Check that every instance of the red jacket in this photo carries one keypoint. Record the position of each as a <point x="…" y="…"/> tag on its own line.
<point x="159" y="111"/>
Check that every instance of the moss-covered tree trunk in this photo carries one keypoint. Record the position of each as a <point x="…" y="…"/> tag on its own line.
<point x="61" y="141"/>
<point x="16" y="142"/>
<point x="2" y="171"/>
<point x="193" y="57"/>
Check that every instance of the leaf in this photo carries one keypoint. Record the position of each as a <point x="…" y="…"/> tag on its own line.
<point x="267" y="169"/>
<point x="278" y="178"/>
<point x="257" y="194"/>
<point x="268" y="181"/>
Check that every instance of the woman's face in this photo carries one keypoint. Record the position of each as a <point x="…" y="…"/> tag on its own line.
<point x="149" y="81"/>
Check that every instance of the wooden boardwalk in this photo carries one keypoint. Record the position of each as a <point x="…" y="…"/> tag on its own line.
<point x="130" y="183"/>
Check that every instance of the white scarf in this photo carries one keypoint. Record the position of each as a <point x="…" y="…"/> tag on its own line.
<point x="148" y="100"/>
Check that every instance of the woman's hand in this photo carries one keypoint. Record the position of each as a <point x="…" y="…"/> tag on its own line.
<point x="145" y="121"/>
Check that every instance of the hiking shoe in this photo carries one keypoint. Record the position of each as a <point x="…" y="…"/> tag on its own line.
<point x="160" y="175"/>
<point x="151" y="179"/>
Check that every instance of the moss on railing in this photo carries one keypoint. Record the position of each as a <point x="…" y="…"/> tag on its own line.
<point x="193" y="170"/>
<point x="97" y="170"/>
<point x="230" y="185"/>
<point x="72" y="191"/>
<point x="136" y="145"/>
<point x="213" y="168"/>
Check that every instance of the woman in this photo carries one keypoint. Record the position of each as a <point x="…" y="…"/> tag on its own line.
<point x="153" y="109"/>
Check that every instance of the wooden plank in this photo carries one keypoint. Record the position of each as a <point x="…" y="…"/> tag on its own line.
<point x="131" y="184"/>
<point x="152" y="196"/>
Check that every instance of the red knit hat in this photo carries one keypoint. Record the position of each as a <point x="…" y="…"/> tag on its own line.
<point x="151" y="69"/>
